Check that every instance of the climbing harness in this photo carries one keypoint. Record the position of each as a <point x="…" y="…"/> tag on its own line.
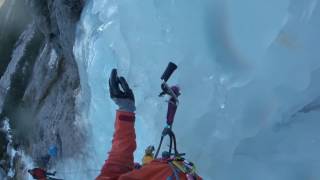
<point x="175" y="172"/>
<point x="180" y="165"/>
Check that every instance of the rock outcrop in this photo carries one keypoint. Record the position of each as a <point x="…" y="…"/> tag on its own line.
<point x="39" y="78"/>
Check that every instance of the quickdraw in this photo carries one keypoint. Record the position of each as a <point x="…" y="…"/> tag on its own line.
<point x="167" y="154"/>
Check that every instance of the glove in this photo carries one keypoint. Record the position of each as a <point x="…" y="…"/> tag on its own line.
<point x="123" y="97"/>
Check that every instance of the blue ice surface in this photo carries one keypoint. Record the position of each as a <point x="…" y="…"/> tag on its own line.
<point x="246" y="69"/>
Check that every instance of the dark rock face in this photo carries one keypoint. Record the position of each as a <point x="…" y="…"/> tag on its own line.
<point x="14" y="21"/>
<point x="39" y="77"/>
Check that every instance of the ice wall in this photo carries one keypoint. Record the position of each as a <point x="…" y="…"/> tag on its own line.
<point x="245" y="68"/>
<point x="1" y="3"/>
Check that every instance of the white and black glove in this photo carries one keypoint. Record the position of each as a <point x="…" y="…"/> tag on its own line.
<point x="123" y="97"/>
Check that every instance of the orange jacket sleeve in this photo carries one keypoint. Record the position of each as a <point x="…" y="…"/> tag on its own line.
<point x="120" y="160"/>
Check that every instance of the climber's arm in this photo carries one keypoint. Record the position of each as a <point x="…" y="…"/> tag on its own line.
<point x="120" y="158"/>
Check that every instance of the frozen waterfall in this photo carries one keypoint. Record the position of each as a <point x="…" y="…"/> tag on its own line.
<point x="246" y="69"/>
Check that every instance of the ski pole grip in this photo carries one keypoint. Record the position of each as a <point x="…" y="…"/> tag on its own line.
<point x="168" y="72"/>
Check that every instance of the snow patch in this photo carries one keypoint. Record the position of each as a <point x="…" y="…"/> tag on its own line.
<point x="53" y="61"/>
<point x="25" y="159"/>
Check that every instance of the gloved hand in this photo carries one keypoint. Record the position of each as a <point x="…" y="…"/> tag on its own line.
<point x="123" y="97"/>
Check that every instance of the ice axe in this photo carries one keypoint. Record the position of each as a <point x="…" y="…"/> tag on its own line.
<point x="173" y="92"/>
<point x="173" y="102"/>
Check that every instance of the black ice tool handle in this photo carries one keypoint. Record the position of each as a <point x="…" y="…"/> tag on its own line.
<point x="168" y="72"/>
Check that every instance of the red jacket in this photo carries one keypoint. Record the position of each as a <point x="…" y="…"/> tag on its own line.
<point x="120" y="165"/>
<point x="38" y="173"/>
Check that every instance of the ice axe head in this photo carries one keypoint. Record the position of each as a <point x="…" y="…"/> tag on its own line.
<point x="168" y="72"/>
<point x="173" y="91"/>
